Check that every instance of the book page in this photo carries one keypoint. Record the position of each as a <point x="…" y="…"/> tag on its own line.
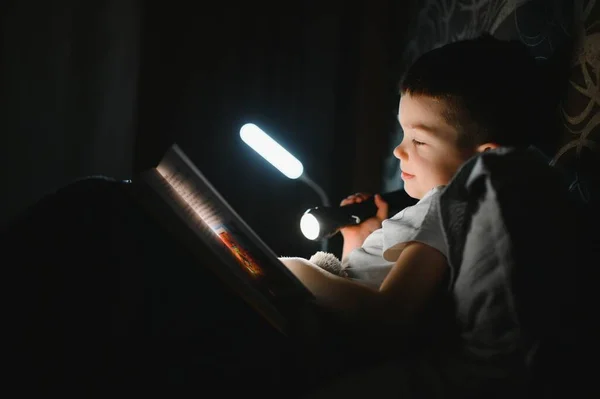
<point x="182" y="183"/>
<point x="208" y="214"/>
<point x="211" y="213"/>
<point x="227" y="269"/>
<point x="249" y="265"/>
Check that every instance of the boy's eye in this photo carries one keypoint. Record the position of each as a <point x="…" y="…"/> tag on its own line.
<point x="417" y="143"/>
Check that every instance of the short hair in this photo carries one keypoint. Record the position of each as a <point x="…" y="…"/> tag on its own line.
<point x="492" y="88"/>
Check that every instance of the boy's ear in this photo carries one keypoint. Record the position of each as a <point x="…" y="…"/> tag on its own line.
<point x="487" y="147"/>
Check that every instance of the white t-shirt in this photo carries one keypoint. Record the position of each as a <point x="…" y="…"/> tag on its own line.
<point x="372" y="262"/>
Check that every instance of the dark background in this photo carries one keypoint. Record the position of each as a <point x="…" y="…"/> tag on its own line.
<point x="104" y="87"/>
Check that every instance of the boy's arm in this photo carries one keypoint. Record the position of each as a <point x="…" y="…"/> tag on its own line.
<point x="407" y="289"/>
<point x="353" y="241"/>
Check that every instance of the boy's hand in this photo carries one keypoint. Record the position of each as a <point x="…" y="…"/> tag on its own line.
<point x="354" y="236"/>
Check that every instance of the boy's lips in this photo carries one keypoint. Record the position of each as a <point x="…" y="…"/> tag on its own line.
<point x="406" y="176"/>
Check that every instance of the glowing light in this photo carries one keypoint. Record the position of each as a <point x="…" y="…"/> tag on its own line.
<point x="309" y="225"/>
<point x="270" y="150"/>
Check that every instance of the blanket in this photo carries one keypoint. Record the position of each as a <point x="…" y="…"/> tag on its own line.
<point x="510" y="226"/>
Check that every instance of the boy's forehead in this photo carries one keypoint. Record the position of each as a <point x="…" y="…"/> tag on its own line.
<point x="423" y="113"/>
<point x="422" y="105"/>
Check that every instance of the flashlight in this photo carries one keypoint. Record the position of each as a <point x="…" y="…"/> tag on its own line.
<point x="325" y="221"/>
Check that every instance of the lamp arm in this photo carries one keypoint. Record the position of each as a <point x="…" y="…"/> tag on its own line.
<point x="324" y="199"/>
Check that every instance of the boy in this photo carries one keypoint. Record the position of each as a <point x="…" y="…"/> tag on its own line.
<point x="456" y="101"/>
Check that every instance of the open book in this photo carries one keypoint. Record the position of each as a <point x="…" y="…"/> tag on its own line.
<point x="187" y="205"/>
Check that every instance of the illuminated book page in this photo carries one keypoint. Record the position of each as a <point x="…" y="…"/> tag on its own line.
<point x="248" y="266"/>
<point x="205" y="212"/>
<point x="182" y="183"/>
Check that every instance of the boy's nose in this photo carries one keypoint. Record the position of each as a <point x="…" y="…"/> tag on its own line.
<point x="400" y="153"/>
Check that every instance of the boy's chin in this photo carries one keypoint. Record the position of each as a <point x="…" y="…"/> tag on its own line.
<point x="412" y="192"/>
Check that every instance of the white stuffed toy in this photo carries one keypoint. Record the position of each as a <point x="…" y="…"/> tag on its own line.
<point x="329" y="262"/>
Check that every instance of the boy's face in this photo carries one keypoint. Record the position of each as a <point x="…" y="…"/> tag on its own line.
<point x="429" y="155"/>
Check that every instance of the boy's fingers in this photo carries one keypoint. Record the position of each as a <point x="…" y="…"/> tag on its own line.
<point x="355" y="199"/>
